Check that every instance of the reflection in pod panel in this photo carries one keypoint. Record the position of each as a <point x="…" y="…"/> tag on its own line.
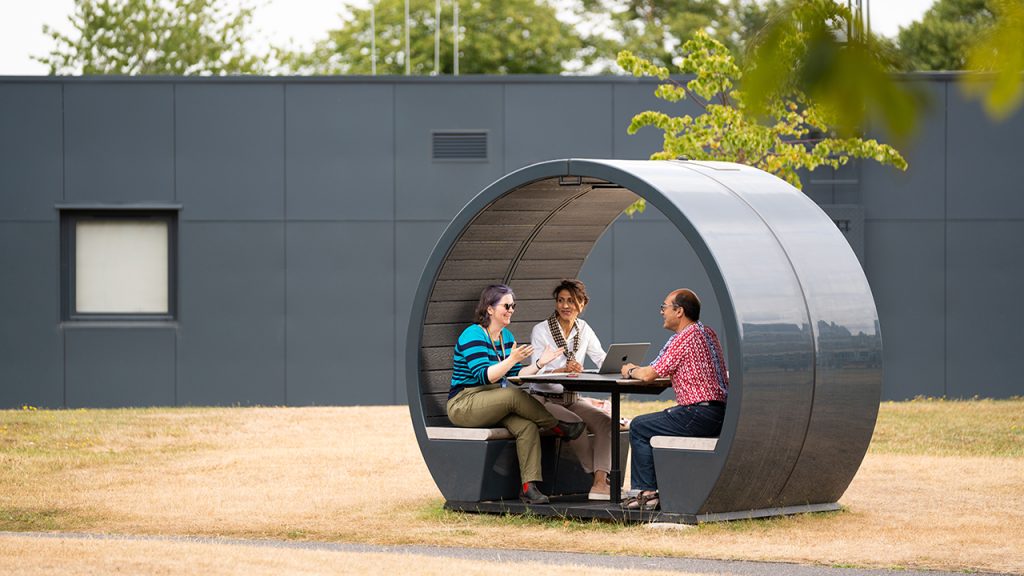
<point x="846" y="335"/>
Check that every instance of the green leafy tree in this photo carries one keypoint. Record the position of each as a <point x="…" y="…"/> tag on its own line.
<point x="792" y="134"/>
<point x="944" y="35"/>
<point x="1000" y="51"/>
<point x="654" y="29"/>
<point x="173" y="37"/>
<point x="496" y="37"/>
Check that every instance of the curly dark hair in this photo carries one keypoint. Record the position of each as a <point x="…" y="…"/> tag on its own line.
<point x="576" y="289"/>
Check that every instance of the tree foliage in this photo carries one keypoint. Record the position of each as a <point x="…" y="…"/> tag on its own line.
<point x="495" y="37"/>
<point x="795" y="136"/>
<point x="1000" y="50"/>
<point x="174" y="37"/>
<point x="655" y="29"/>
<point x="820" y="48"/>
<point x="943" y="36"/>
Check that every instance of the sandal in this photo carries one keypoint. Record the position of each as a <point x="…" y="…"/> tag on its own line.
<point x="646" y="502"/>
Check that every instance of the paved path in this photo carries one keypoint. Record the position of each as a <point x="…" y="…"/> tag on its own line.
<point x="510" y="556"/>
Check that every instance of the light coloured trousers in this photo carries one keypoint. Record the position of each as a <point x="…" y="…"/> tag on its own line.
<point x="522" y="414"/>
<point x="594" y="450"/>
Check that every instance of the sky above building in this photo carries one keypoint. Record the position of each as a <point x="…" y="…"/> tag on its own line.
<point x="298" y="23"/>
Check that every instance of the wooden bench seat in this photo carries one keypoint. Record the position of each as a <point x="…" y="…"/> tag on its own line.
<point x="684" y="443"/>
<point x="456" y="433"/>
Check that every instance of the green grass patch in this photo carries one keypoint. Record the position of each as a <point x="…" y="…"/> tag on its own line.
<point x="941" y="427"/>
<point x="41" y="519"/>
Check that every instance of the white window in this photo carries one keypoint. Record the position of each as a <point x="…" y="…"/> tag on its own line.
<point x="118" y="265"/>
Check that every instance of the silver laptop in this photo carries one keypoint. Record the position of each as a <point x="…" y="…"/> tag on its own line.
<point x="621" y="354"/>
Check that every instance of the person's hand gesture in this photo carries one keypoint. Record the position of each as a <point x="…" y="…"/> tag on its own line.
<point x="521" y="352"/>
<point x="572" y="366"/>
<point x="550" y="354"/>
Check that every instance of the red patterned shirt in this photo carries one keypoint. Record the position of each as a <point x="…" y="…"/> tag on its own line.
<point x="694" y="360"/>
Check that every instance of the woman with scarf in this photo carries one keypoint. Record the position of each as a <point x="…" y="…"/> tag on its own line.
<point x="566" y="331"/>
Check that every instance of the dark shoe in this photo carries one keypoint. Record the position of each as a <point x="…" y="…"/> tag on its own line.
<point x="569" y="430"/>
<point x="532" y="495"/>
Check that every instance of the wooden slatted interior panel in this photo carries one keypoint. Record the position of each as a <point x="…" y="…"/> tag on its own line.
<point x="473" y="269"/>
<point x="435" y="405"/>
<point x="447" y="290"/>
<point x="558" y="250"/>
<point x="439" y="358"/>
<point x="437" y="335"/>
<point x="478" y="250"/>
<point x="550" y="229"/>
<point x="572" y="233"/>
<point x="434" y="381"/>
<point x="500" y="218"/>
<point x="534" y="289"/>
<point x="457" y="311"/>
<point x="553" y="269"/>
<point x="479" y="231"/>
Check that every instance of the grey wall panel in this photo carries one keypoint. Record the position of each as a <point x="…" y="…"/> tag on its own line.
<point x="920" y="191"/>
<point x="31" y="358"/>
<point x="341" y="321"/>
<point x="110" y="367"/>
<point x="547" y="121"/>
<point x="230" y="151"/>
<point x="985" y="280"/>
<point x="337" y="152"/>
<point x="630" y="100"/>
<point x="436" y="190"/>
<point x="983" y="162"/>
<point x="119" y="142"/>
<point x="231" y="315"/>
<point x="900" y="255"/>
<point x="598" y="273"/>
<point x="31" y="151"/>
<point x="413" y="243"/>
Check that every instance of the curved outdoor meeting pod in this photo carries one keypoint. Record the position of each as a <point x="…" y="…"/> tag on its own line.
<point x="799" y="324"/>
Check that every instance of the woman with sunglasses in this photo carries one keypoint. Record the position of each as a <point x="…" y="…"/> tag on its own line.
<point x="486" y="355"/>
<point x="566" y="331"/>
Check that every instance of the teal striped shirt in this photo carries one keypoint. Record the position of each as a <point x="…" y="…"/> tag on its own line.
<point x="474" y="354"/>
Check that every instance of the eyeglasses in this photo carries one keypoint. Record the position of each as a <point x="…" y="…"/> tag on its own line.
<point x="663" y="306"/>
<point x="511" y="306"/>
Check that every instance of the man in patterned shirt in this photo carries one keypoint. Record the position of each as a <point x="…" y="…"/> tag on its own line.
<point x="693" y="359"/>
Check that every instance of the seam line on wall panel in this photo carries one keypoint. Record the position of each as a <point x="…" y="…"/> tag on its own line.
<point x="611" y="122"/>
<point x="177" y="236"/>
<point x="945" y="242"/>
<point x="394" y="247"/>
<point x="60" y="249"/>
<point x="284" y="235"/>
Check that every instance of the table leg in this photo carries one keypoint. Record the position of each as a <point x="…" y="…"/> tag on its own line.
<point x="615" y="474"/>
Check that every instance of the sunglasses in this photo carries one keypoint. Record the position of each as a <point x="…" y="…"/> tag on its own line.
<point x="510" y="307"/>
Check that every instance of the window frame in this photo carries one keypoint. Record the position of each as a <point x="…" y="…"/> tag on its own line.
<point x="71" y="215"/>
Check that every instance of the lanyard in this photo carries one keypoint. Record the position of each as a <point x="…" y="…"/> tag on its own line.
<point x="501" y="339"/>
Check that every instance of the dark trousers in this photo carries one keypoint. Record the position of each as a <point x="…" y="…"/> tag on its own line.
<point x="695" y="421"/>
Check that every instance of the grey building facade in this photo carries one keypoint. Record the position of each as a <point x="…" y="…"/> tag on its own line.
<point x="299" y="212"/>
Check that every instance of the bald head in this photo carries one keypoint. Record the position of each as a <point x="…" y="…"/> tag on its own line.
<point x="688" y="301"/>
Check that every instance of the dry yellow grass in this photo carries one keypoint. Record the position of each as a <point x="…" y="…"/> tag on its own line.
<point x="356" y="475"/>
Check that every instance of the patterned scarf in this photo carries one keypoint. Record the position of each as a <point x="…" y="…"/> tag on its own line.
<point x="556" y="333"/>
<point x="566" y="398"/>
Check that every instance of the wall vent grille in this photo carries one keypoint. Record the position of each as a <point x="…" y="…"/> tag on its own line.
<point x="459" y="145"/>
